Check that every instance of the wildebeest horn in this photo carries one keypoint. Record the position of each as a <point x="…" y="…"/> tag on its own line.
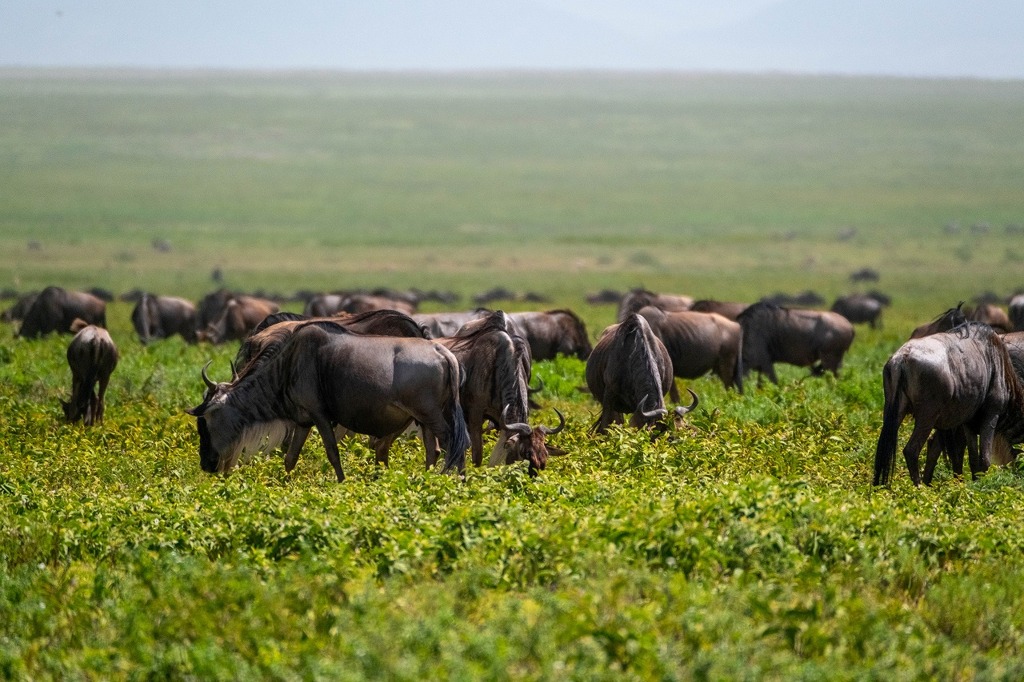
<point x="680" y="410"/>
<point x="540" y="386"/>
<point x="652" y="414"/>
<point x="557" y="429"/>
<point x="234" y="373"/>
<point x="206" y="380"/>
<point x="519" y="427"/>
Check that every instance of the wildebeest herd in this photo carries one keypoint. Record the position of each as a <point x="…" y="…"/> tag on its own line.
<point x="370" y="364"/>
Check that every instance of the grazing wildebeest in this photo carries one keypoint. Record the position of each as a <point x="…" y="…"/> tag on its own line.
<point x="729" y="309"/>
<point x="324" y="305"/>
<point x="495" y="367"/>
<point x="55" y="309"/>
<point x="860" y="309"/>
<point x="806" y="338"/>
<point x="20" y="308"/>
<point x="962" y="379"/>
<point x="160" y="317"/>
<point x="953" y="317"/>
<point x="699" y="343"/>
<point x="629" y="371"/>
<point x="447" y="324"/>
<point x="362" y="303"/>
<point x="553" y="332"/>
<point x="636" y="299"/>
<point x="211" y="307"/>
<point x="92" y="357"/>
<point x="1016" y="312"/>
<point x="324" y="375"/>
<point x="992" y="315"/>
<point x="239" y="317"/>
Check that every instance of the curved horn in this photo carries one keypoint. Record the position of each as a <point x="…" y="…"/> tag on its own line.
<point x="206" y="380"/>
<point x="521" y="428"/>
<point x="680" y="410"/>
<point x="561" y="424"/>
<point x="234" y="373"/>
<point x="540" y="386"/>
<point x="652" y="414"/>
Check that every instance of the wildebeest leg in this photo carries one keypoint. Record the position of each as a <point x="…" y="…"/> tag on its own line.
<point x="673" y="391"/>
<point x="986" y="436"/>
<point x="935" y="446"/>
<point x="382" y="446"/>
<point x="954" y="443"/>
<point x="474" y="423"/>
<point x="429" y="445"/>
<point x="912" y="451"/>
<point x="104" y="380"/>
<point x="298" y="439"/>
<point x="330" y="445"/>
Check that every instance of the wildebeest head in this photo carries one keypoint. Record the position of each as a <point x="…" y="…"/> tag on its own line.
<point x="657" y="417"/>
<point x="524" y="442"/>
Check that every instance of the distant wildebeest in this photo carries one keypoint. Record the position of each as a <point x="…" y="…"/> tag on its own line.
<point x="447" y="324"/>
<point x="806" y="338"/>
<point x="17" y="312"/>
<point x="604" y="296"/>
<point x="55" y="309"/>
<point x="636" y="299"/>
<point x="211" y="307"/>
<point x="362" y="303"/>
<point x="860" y="309"/>
<point x="699" y="343"/>
<point x="992" y="315"/>
<point x="1016" y="312"/>
<point x="160" y="317"/>
<point x="954" y="317"/>
<point x="324" y="305"/>
<point x="92" y="357"/>
<point x="728" y="309"/>
<point x="804" y="299"/>
<point x="552" y="333"/>
<point x="864" y="275"/>
<point x="629" y="372"/>
<point x="494" y="294"/>
<point x="960" y="379"/>
<point x="496" y="372"/>
<point x="324" y="375"/>
<point x="239" y="317"/>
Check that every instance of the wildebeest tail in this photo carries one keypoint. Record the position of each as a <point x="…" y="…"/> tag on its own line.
<point x="456" y="441"/>
<point x="885" y="451"/>
<point x="737" y="377"/>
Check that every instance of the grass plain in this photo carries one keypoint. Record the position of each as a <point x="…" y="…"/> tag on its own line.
<point x="748" y="544"/>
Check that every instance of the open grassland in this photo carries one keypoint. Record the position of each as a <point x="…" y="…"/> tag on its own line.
<point x="746" y="544"/>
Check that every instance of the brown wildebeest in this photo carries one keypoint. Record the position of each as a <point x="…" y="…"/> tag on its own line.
<point x="814" y="338"/>
<point x="629" y="372"/>
<point x="957" y="380"/>
<point x="727" y="309"/>
<point x="954" y="317"/>
<point x="699" y="343"/>
<point x="17" y="312"/>
<point x="552" y="333"/>
<point x="92" y="357"/>
<point x="992" y="315"/>
<point x="496" y="373"/>
<point x="160" y="317"/>
<point x="639" y="298"/>
<point x="211" y="307"/>
<point x="55" y="309"/>
<point x="325" y="375"/>
<point x="448" y="324"/>
<point x="240" y="316"/>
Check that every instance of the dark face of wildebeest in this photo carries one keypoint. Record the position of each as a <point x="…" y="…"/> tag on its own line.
<point x="524" y="442"/>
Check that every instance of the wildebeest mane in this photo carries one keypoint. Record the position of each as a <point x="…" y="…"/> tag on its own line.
<point x="494" y="322"/>
<point x="273" y="318"/>
<point x="641" y="358"/>
<point x="273" y="348"/>
<point x="384" y="316"/>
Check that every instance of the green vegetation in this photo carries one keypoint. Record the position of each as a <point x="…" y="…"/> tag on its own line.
<point x="746" y="544"/>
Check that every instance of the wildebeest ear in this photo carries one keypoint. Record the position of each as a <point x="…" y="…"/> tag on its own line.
<point x="556" y="452"/>
<point x="197" y="411"/>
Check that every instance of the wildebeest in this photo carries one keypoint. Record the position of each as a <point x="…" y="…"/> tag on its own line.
<point x="813" y="338"/>
<point x="960" y="379"/>
<point x="447" y="324"/>
<point x="992" y="315"/>
<point x="860" y="309"/>
<point x="629" y="371"/>
<point x="239" y="317"/>
<point x="636" y="299"/>
<point x="496" y="373"/>
<point x="953" y="317"/>
<point x="55" y="309"/>
<point x="20" y="308"/>
<point x="92" y="357"/>
<point x="160" y="317"/>
<point x="324" y="375"/>
<point x="211" y="307"/>
<point x="552" y="333"/>
<point x="1016" y="312"/>
<point x="699" y="343"/>
<point x="362" y="303"/>
<point x="729" y="309"/>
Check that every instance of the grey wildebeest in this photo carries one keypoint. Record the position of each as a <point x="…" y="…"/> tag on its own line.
<point x="629" y="372"/>
<point x="639" y="298"/>
<point x="324" y="375"/>
<point x="1016" y="312"/>
<point x="92" y="357"/>
<point x="496" y="372"/>
<point x="699" y="343"/>
<point x="17" y="312"/>
<point x="860" y="309"/>
<point x="552" y="333"/>
<point x="813" y="338"/>
<point x="211" y="307"/>
<point x="960" y="379"/>
<point x="239" y="317"/>
<point x="55" y="309"/>
<point x="160" y="317"/>
<point x="728" y="309"/>
<point x="448" y="324"/>
<point x="323" y="305"/>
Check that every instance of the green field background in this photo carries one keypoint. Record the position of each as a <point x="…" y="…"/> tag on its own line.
<point x="746" y="544"/>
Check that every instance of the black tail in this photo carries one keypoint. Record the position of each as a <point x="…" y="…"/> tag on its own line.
<point x="456" y="441"/>
<point x="737" y="378"/>
<point x="885" y="452"/>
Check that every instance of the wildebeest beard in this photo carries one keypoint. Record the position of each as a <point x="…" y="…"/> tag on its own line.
<point x="236" y="433"/>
